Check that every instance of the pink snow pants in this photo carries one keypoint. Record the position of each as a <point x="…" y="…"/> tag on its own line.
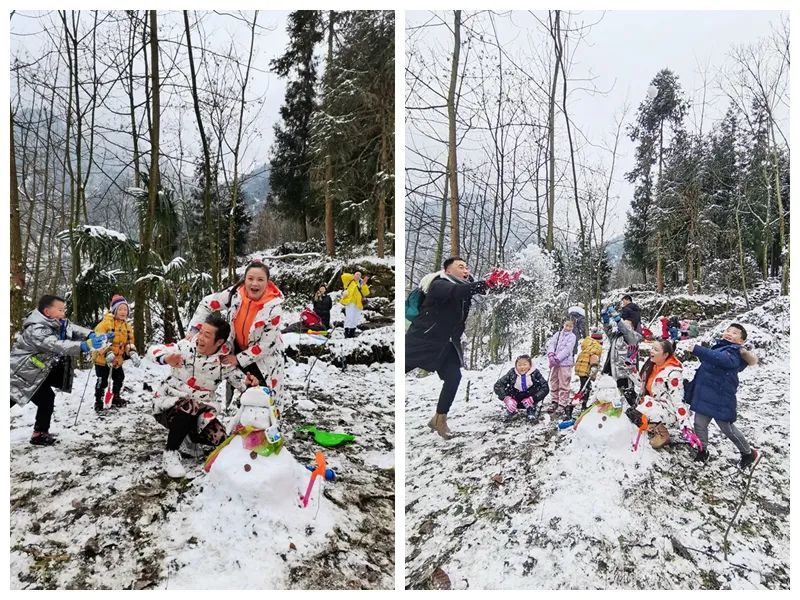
<point x="559" y="385"/>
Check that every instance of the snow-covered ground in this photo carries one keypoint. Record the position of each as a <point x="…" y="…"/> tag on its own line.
<point x="522" y="505"/>
<point x="96" y="512"/>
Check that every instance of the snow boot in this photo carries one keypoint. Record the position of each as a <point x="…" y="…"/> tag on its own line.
<point x="701" y="456"/>
<point x="438" y="423"/>
<point x="568" y="412"/>
<point x="98" y="406"/>
<point x="748" y="459"/>
<point x="172" y="464"/>
<point x="42" y="439"/>
<point x="660" y="436"/>
<point x="118" y="400"/>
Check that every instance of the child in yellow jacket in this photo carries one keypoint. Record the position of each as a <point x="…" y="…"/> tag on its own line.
<point x="110" y="360"/>
<point x="355" y="290"/>
<point x="591" y="348"/>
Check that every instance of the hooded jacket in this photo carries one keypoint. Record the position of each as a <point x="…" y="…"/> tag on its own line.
<point x="589" y="347"/>
<point x="41" y="344"/>
<point x="354" y="293"/>
<point x="623" y="353"/>
<point x="712" y="392"/>
<point x="123" y="339"/>
<point x="441" y="321"/>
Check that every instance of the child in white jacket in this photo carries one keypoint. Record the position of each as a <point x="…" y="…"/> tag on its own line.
<point x="183" y="403"/>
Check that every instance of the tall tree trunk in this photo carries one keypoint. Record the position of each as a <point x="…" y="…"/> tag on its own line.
<point x="152" y="191"/>
<point x="17" y="272"/>
<point x="74" y="205"/>
<point x="330" y="242"/>
<point x="235" y="189"/>
<point x="452" y="159"/>
<point x="47" y="196"/>
<point x="380" y="220"/>
<point x="213" y="253"/>
<point x="551" y="124"/>
<point x="437" y="257"/>
<point x="132" y="103"/>
<point x="659" y="266"/>
<point x="741" y="256"/>
<point x="583" y="293"/>
<point x="784" y="249"/>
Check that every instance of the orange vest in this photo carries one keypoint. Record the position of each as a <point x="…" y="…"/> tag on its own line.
<point x="247" y="312"/>
<point x="670" y="362"/>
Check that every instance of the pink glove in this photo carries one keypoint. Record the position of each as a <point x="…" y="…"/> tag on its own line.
<point x="527" y="402"/>
<point x="552" y="361"/>
<point x="511" y="404"/>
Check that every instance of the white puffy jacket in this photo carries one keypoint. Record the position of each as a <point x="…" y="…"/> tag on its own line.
<point x="198" y="378"/>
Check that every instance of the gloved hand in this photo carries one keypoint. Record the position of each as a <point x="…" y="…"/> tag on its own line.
<point x="613" y="314"/>
<point x="634" y="415"/>
<point x="479" y="287"/>
<point x="94" y="342"/>
<point x="110" y="358"/>
<point x="135" y="358"/>
<point x="630" y="396"/>
<point x="604" y="316"/>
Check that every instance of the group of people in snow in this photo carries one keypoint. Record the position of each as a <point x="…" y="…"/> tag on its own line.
<point x="234" y="336"/>
<point x="673" y="328"/>
<point x="655" y="390"/>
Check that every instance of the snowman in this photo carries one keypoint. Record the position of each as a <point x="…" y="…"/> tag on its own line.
<point x="254" y="463"/>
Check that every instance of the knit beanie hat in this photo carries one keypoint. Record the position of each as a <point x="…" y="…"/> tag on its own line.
<point x="116" y="302"/>
<point x="596" y="333"/>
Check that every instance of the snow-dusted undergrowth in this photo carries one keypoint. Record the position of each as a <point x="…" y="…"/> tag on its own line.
<point x="96" y="512"/>
<point x="516" y="505"/>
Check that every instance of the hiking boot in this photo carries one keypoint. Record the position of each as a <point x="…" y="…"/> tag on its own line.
<point x="660" y="437"/>
<point x="568" y="412"/>
<point x="172" y="464"/>
<point x="510" y="416"/>
<point x="531" y="413"/>
<point x="98" y="406"/>
<point x="748" y="459"/>
<point x="42" y="439"/>
<point x="118" y="401"/>
<point x="701" y="456"/>
<point x="438" y="423"/>
<point x="537" y="410"/>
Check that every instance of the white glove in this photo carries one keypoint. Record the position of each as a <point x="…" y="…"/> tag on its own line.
<point x="135" y="359"/>
<point x="110" y="356"/>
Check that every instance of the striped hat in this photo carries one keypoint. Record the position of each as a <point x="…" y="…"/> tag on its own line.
<point x="116" y="302"/>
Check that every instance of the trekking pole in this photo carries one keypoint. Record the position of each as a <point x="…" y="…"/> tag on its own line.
<point x="316" y="358"/>
<point x="88" y="375"/>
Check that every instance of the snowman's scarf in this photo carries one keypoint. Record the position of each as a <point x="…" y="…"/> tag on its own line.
<point x="254" y="439"/>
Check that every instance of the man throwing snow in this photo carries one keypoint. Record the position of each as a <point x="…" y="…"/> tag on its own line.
<point x="433" y="342"/>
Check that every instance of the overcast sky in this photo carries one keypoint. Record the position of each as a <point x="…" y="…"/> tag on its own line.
<point x="220" y="28"/>
<point x="624" y="50"/>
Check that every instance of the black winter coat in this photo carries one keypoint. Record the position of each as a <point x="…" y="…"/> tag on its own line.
<point x="537" y="389"/>
<point x="632" y="313"/>
<point x="323" y="309"/>
<point x="440" y="323"/>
